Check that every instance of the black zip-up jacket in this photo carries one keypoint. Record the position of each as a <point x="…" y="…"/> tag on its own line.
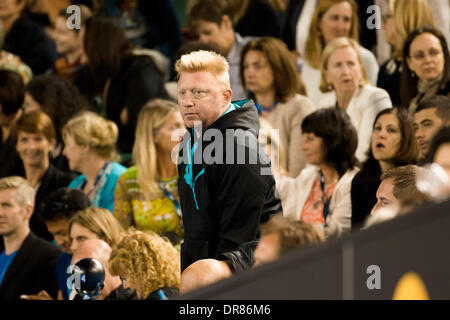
<point x="223" y="202"/>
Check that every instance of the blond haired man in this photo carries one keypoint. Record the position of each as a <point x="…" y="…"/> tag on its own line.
<point x="27" y="262"/>
<point x="225" y="185"/>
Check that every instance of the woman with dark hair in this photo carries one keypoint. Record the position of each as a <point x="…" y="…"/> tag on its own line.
<point x="426" y="66"/>
<point x="402" y="17"/>
<point x="392" y="144"/>
<point x="60" y="100"/>
<point x="124" y="79"/>
<point x="321" y="193"/>
<point x="273" y="83"/>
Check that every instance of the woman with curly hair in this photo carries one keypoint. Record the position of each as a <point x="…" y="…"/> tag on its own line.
<point x="148" y="264"/>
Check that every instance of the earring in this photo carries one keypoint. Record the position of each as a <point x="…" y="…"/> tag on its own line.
<point x="413" y="74"/>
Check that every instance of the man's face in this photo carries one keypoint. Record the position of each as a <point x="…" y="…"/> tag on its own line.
<point x="426" y="124"/>
<point x="267" y="250"/>
<point x="385" y="196"/>
<point x="220" y="36"/>
<point x="13" y="216"/>
<point x="201" y="98"/>
<point x="59" y="230"/>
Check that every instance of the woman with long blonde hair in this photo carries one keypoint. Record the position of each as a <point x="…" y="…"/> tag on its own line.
<point x="146" y="195"/>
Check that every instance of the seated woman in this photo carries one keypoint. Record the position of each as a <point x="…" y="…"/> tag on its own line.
<point x="346" y="87"/>
<point x="402" y="17"/>
<point x="35" y="139"/>
<point x="426" y="67"/>
<point x="332" y="19"/>
<point x="392" y="145"/>
<point x="90" y="147"/>
<point x="320" y="195"/>
<point x="124" y="79"/>
<point x="272" y="82"/>
<point x="91" y="223"/>
<point x="146" y="195"/>
<point x="148" y="264"/>
<point x="60" y="100"/>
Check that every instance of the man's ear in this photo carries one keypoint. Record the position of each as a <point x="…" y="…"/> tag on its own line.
<point x="227" y="93"/>
<point x="226" y="23"/>
<point x="28" y="211"/>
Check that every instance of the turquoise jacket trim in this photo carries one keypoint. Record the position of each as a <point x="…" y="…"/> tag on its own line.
<point x="188" y="175"/>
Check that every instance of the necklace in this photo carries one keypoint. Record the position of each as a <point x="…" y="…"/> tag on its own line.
<point x="97" y="179"/>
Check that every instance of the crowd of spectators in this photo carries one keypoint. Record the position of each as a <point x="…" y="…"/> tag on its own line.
<point x="91" y="131"/>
